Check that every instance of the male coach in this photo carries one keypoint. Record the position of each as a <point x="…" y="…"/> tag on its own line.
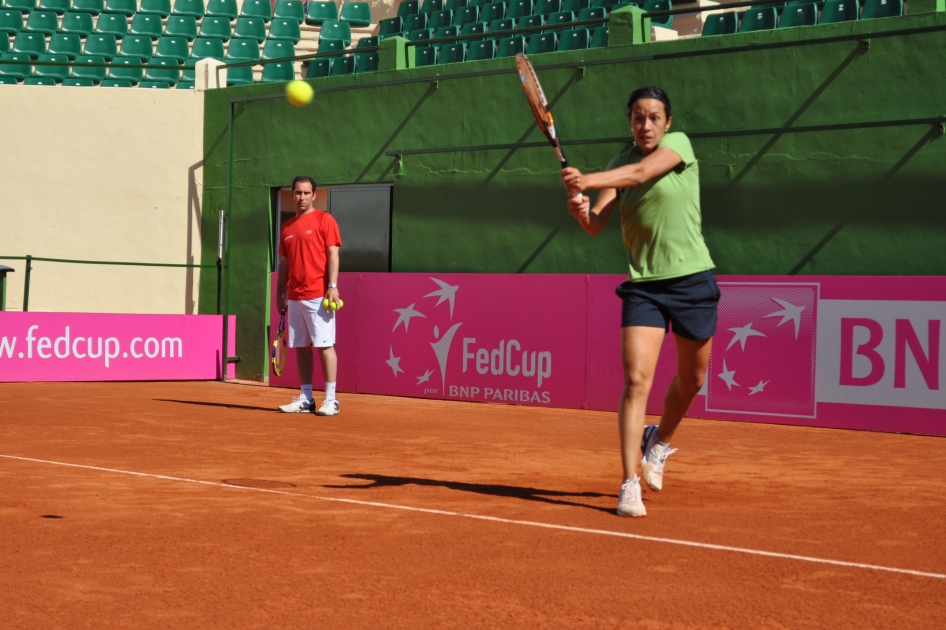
<point x="308" y="268"/>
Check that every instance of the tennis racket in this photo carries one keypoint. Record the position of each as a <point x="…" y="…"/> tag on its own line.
<point x="279" y="347"/>
<point x="540" y="106"/>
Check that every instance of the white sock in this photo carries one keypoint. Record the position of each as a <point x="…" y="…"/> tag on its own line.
<point x="330" y="391"/>
<point x="663" y="444"/>
<point x="307" y="392"/>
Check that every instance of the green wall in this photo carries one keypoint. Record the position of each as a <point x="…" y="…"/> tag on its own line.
<point x="860" y="199"/>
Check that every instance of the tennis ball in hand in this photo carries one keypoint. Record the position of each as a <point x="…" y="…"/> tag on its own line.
<point x="299" y="93"/>
<point x="340" y="304"/>
<point x="325" y="303"/>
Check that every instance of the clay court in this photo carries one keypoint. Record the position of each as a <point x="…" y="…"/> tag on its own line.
<point x="147" y="505"/>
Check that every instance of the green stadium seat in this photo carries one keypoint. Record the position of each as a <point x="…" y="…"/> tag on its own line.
<point x="188" y="74"/>
<point x="8" y="80"/>
<point x="390" y="27"/>
<point x="120" y="73"/>
<point x="154" y="85"/>
<point x="721" y="24"/>
<point x="792" y="15"/>
<point x="250" y="28"/>
<point x="88" y="6"/>
<point x="258" y="9"/>
<point x="473" y="28"/>
<point x="283" y="28"/>
<point x="167" y="70"/>
<point x="660" y="5"/>
<point x="11" y="21"/>
<point x="509" y="46"/>
<point x="547" y="7"/>
<point x="574" y="39"/>
<point x="15" y="71"/>
<point x="91" y="74"/>
<point x="366" y="42"/>
<point x="430" y="6"/>
<point x="839" y="11"/>
<point x="74" y="82"/>
<point x="478" y="51"/>
<point x="607" y="5"/>
<point x="882" y="8"/>
<point x="185" y="85"/>
<point x="477" y="3"/>
<point x="56" y="73"/>
<point x="32" y="44"/>
<point x="440" y="18"/>
<point x="243" y="50"/>
<point x="493" y="11"/>
<point x="77" y="23"/>
<point x="39" y="81"/>
<point x="146" y="25"/>
<point x="599" y="37"/>
<point x="318" y="68"/>
<point x="125" y="7"/>
<point x="67" y="44"/>
<point x="137" y="47"/>
<point x="330" y="46"/>
<point x="366" y="62"/>
<point x="425" y="56"/>
<point x="219" y="27"/>
<point x="112" y="24"/>
<point x="155" y="7"/>
<point x="531" y="21"/>
<point x="193" y="8"/>
<point x="57" y="6"/>
<point x="277" y="49"/>
<point x="170" y="47"/>
<point x="277" y="72"/>
<point x="104" y="46"/>
<point x="559" y="18"/>
<point x="407" y="7"/>
<point x="446" y="31"/>
<point x="452" y="53"/>
<point x="336" y="30"/>
<point x="23" y="6"/>
<point x="119" y="83"/>
<point x="499" y="26"/>
<point x="542" y="43"/>
<point x="415" y="21"/>
<point x="207" y="47"/>
<point x="239" y="76"/>
<point x="466" y="15"/>
<point x="592" y="13"/>
<point x="758" y="19"/>
<point x="420" y="35"/>
<point x="455" y="5"/>
<point x="4" y="44"/>
<point x="356" y="13"/>
<point x="342" y="66"/>
<point x="318" y="12"/>
<point x="45" y="22"/>
<point x="516" y="9"/>
<point x="289" y="9"/>
<point x="222" y="8"/>
<point x="181" y="26"/>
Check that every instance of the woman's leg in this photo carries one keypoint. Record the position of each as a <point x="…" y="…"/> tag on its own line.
<point x="692" y="360"/>
<point x="640" y="347"/>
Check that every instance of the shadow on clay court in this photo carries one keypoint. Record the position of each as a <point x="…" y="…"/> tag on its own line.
<point x="214" y="404"/>
<point x="555" y="497"/>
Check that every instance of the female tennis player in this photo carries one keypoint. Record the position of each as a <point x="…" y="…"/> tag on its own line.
<point x="656" y="185"/>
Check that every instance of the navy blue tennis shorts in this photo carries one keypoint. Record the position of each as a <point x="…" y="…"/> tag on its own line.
<point x="688" y="302"/>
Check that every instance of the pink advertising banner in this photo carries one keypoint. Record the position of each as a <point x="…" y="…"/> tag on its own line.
<point x="831" y="351"/>
<point x="111" y="347"/>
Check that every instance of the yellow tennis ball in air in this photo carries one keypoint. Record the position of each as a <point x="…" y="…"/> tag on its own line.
<point x="299" y="93"/>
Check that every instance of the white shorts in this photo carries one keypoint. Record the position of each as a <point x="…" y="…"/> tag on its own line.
<point x="310" y="324"/>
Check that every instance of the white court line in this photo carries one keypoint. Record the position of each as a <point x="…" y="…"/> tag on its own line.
<point x="508" y="521"/>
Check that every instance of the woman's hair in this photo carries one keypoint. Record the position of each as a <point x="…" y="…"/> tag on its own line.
<point x="650" y="91"/>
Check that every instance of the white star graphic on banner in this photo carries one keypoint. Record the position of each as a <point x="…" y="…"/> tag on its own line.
<point x="789" y="312"/>
<point x="405" y="315"/>
<point x="423" y="378"/>
<point x="394" y="363"/>
<point x="742" y="334"/>
<point x="758" y="388"/>
<point x="728" y="376"/>
<point x="445" y="293"/>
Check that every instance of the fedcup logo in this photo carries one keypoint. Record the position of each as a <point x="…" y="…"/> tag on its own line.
<point x="426" y="343"/>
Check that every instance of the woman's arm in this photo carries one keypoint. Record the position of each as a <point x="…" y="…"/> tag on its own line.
<point x="658" y="163"/>
<point x="593" y="220"/>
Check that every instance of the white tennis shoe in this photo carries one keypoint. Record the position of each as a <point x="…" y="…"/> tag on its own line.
<point x="328" y="408"/>
<point x="298" y="405"/>
<point x="655" y="457"/>
<point x="630" y="503"/>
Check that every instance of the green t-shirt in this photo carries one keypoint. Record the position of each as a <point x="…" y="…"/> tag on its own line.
<point x="661" y="219"/>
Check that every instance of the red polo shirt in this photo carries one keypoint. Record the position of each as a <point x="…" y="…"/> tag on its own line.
<point x="304" y="242"/>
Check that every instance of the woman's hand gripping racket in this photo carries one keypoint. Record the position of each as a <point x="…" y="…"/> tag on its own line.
<point x="279" y="347"/>
<point x="540" y="108"/>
